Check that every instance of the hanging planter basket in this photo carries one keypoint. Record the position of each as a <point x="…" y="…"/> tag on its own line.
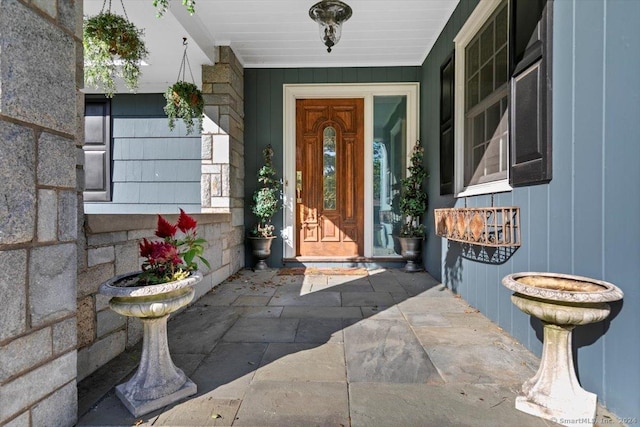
<point x="113" y="46"/>
<point x="184" y="99"/>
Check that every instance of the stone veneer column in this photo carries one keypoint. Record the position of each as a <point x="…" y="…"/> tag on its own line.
<point x="223" y="147"/>
<point x="40" y="147"/>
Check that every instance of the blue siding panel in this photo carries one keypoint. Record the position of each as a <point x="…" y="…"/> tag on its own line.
<point x="622" y="204"/>
<point x="585" y="221"/>
<point x="145" y="151"/>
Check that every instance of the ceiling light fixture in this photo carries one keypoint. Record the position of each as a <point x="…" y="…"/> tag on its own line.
<point x="330" y="14"/>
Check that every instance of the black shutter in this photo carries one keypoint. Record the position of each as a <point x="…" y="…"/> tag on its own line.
<point x="530" y="127"/>
<point x="97" y="150"/>
<point x="447" y="80"/>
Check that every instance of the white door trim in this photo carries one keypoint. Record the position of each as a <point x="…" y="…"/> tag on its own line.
<point x="367" y="91"/>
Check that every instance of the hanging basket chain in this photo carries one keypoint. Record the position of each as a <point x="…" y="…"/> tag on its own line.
<point x="104" y="3"/>
<point x="185" y="63"/>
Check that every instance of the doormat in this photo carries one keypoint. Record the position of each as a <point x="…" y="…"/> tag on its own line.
<point x="315" y="271"/>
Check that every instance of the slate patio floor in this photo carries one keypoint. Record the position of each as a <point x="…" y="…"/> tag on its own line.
<point x="383" y="349"/>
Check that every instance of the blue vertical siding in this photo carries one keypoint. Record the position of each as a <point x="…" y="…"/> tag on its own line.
<point x="154" y="170"/>
<point x="585" y="221"/>
<point x="263" y="119"/>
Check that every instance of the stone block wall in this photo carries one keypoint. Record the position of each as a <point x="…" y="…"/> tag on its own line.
<point x="223" y="143"/>
<point x="41" y="111"/>
<point x="112" y="249"/>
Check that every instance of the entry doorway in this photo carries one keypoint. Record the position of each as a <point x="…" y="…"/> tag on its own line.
<point x="365" y="233"/>
<point x="330" y="177"/>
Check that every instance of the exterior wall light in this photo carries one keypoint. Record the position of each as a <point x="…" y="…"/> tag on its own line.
<point x="330" y="14"/>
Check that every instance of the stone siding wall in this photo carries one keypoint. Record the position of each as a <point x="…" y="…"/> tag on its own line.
<point x="112" y="249"/>
<point x="41" y="111"/>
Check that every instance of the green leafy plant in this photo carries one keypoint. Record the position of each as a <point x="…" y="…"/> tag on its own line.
<point x="113" y="46"/>
<point x="413" y="200"/>
<point x="172" y="258"/>
<point x="267" y="197"/>
<point x="163" y="5"/>
<point x="184" y="101"/>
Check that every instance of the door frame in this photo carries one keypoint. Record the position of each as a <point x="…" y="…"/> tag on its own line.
<point x="367" y="91"/>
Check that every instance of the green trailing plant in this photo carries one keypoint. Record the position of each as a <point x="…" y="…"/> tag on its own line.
<point x="267" y="197"/>
<point x="184" y="101"/>
<point x="413" y="199"/>
<point x="163" y="5"/>
<point x="113" y="46"/>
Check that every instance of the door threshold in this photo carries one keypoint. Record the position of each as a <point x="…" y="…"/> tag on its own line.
<point x="344" y="262"/>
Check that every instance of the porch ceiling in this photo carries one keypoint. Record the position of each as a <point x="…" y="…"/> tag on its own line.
<point x="280" y="34"/>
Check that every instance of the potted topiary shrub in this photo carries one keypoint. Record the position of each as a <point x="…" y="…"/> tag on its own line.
<point x="113" y="46"/>
<point x="184" y="101"/>
<point x="265" y="204"/>
<point x="412" y="206"/>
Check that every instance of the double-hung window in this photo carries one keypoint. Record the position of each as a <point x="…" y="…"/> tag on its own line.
<point x="501" y="87"/>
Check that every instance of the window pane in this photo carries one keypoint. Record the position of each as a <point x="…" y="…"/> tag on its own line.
<point x="389" y="164"/>
<point x="329" y="168"/>
<point x="486" y="44"/>
<point x="501" y="28"/>
<point x="472" y="91"/>
<point x="486" y="128"/>
<point x="502" y="67"/>
<point x="486" y="80"/>
<point x="473" y="57"/>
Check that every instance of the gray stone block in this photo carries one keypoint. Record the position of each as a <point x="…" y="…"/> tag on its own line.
<point x="108" y="321"/>
<point x="64" y="335"/>
<point x="22" y="420"/>
<point x="43" y="95"/>
<point x="103" y="255"/>
<point x="47" y="215"/>
<point x="17" y="171"/>
<point x="24" y="352"/>
<point x="102" y="351"/>
<point x="52" y="282"/>
<point x="28" y="389"/>
<point x="59" y="409"/>
<point x="67" y="215"/>
<point x="262" y="330"/>
<point x="13" y="288"/>
<point x="89" y="281"/>
<point x="127" y="258"/>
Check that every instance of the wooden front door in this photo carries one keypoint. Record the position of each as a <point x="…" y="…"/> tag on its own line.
<point x="330" y="177"/>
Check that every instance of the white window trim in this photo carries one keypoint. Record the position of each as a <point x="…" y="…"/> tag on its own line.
<point x="474" y="23"/>
<point x="367" y="91"/>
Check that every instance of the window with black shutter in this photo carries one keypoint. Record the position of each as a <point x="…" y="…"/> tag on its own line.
<point x="502" y="118"/>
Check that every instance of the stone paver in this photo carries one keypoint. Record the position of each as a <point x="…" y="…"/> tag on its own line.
<point x="384" y="349"/>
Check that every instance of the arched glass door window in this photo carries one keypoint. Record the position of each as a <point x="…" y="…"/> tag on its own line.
<point x="329" y="168"/>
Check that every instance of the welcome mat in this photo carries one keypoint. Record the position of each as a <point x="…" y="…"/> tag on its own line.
<point x="316" y="271"/>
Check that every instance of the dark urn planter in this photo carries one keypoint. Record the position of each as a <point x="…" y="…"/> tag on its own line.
<point x="261" y="249"/>
<point x="411" y="251"/>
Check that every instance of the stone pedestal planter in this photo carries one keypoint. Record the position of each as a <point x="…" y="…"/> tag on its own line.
<point x="561" y="302"/>
<point x="158" y="382"/>
<point x="411" y="251"/>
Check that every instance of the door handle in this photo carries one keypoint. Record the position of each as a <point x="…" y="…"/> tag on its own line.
<point x="298" y="186"/>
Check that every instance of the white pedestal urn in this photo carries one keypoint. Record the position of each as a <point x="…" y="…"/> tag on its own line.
<point x="561" y="302"/>
<point x="158" y="382"/>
